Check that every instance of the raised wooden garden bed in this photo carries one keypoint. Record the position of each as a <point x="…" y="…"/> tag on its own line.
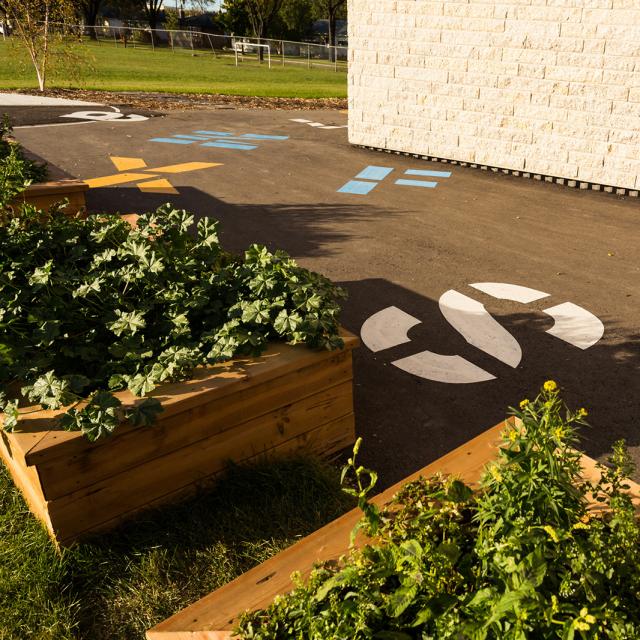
<point x="287" y="399"/>
<point x="44" y="195"/>
<point x="213" y="617"/>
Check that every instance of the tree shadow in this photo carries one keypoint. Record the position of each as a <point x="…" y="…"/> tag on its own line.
<point x="301" y="230"/>
<point x="407" y="421"/>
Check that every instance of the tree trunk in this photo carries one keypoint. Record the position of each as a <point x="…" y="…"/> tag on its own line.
<point x="332" y="34"/>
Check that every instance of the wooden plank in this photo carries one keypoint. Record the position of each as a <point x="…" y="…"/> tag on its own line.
<point x="207" y="384"/>
<point x="324" y="440"/>
<point x="104" y="500"/>
<point x="26" y="479"/>
<point x="212" y="617"/>
<point x="61" y="476"/>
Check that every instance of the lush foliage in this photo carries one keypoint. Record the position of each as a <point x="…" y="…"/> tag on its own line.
<point x="524" y="556"/>
<point x="90" y="307"/>
<point x="16" y="171"/>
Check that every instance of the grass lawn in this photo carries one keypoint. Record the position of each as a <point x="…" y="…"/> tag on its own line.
<point x="107" y="67"/>
<point x="116" y="586"/>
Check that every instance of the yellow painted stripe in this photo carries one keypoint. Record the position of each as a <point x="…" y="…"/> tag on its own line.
<point x="126" y="164"/>
<point x="186" y="166"/>
<point x="117" y="178"/>
<point x="157" y="186"/>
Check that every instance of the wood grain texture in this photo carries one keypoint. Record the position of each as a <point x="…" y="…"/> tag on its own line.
<point x="212" y="617"/>
<point x="289" y="398"/>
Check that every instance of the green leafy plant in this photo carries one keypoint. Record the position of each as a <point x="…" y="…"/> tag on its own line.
<point x="535" y="551"/>
<point x="91" y="307"/>
<point x="16" y="171"/>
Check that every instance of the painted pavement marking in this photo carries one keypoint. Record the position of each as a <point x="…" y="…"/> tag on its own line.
<point x="230" y="145"/>
<point x="389" y="328"/>
<point x="110" y="116"/>
<point x="416" y="183"/>
<point x="221" y="139"/>
<point x="143" y="180"/>
<point x="318" y="125"/>
<point x="374" y="173"/>
<point x="378" y="174"/>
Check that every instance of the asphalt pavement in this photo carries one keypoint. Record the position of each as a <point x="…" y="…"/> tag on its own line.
<point x="441" y="360"/>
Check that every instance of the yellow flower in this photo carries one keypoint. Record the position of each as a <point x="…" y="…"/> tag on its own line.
<point x="584" y="622"/>
<point x="580" y="525"/>
<point x="558" y="433"/>
<point x="550" y="385"/>
<point x="513" y="434"/>
<point x="524" y="403"/>
<point x="495" y="473"/>
<point x="583" y="413"/>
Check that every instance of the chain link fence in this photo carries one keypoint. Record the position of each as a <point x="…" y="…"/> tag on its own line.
<point x="243" y="50"/>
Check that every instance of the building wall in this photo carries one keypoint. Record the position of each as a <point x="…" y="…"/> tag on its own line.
<point x="543" y="86"/>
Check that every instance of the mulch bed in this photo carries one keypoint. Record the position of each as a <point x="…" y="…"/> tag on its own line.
<point x="191" y="101"/>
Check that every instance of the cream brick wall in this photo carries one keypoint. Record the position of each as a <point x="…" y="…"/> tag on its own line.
<point x="543" y="86"/>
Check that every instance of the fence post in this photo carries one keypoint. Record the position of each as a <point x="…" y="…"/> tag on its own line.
<point x="153" y="46"/>
<point x="308" y="56"/>
<point x="282" y="45"/>
<point x="335" y="58"/>
<point x="191" y="38"/>
<point x="115" y="40"/>
<point x="171" y="40"/>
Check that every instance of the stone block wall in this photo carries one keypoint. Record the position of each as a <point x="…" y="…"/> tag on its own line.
<point x="542" y="86"/>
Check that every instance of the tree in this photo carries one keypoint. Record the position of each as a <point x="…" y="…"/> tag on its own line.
<point x="331" y="9"/>
<point x="262" y="14"/>
<point x="90" y="10"/>
<point x="41" y="27"/>
<point x="152" y="9"/>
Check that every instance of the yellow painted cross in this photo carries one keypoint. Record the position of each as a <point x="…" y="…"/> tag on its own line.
<point x="126" y="166"/>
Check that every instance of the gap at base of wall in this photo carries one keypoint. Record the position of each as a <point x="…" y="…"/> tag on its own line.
<point x="567" y="182"/>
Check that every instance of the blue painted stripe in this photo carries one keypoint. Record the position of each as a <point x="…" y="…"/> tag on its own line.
<point x="417" y="183"/>
<point x="228" y="145"/>
<point x="215" y="134"/>
<point x="374" y="173"/>
<point x="429" y="173"/>
<point x="186" y="137"/>
<point x="357" y="187"/>
<point x="172" y="140"/>
<point x="259" y="136"/>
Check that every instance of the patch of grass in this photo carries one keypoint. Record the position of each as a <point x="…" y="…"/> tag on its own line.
<point x="107" y="67"/>
<point x="118" y="585"/>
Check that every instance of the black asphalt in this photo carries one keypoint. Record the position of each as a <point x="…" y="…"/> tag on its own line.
<point x="405" y="246"/>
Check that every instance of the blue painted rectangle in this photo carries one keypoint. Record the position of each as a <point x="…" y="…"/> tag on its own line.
<point x="417" y="183"/>
<point x="172" y="140"/>
<point x="188" y="137"/>
<point x="428" y="172"/>
<point x="259" y="136"/>
<point x="374" y="173"/>
<point x="215" y="134"/>
<point x="229" y="145"/>
<point x="357" y="187"/>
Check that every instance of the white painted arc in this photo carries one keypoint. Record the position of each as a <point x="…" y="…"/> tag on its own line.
<point x="575" y="325"/>
<point x="440" y="368"/>
<point x="387" y="328"/>
<point x="479" y="328"/>
<point x="514" y="292"/>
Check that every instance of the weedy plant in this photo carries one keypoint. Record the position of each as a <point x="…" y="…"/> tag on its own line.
<point x="16" y="171"/>
<point x="90" y="307"/>
<point x="525" y="555"/>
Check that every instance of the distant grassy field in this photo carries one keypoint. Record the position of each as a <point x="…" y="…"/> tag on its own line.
<point x="111" y="68"/>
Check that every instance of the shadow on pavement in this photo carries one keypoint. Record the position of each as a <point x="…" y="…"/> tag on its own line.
<point x="407" y="421"/>
<point x="301" y="230"/>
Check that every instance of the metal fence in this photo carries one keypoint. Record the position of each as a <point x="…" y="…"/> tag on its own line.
<point x="243" y="49"/>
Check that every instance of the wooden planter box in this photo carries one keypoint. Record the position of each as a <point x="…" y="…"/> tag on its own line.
<point x="44" y="195"/>
<point x="213" y="617"/>
<point x="287" y="399"/>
